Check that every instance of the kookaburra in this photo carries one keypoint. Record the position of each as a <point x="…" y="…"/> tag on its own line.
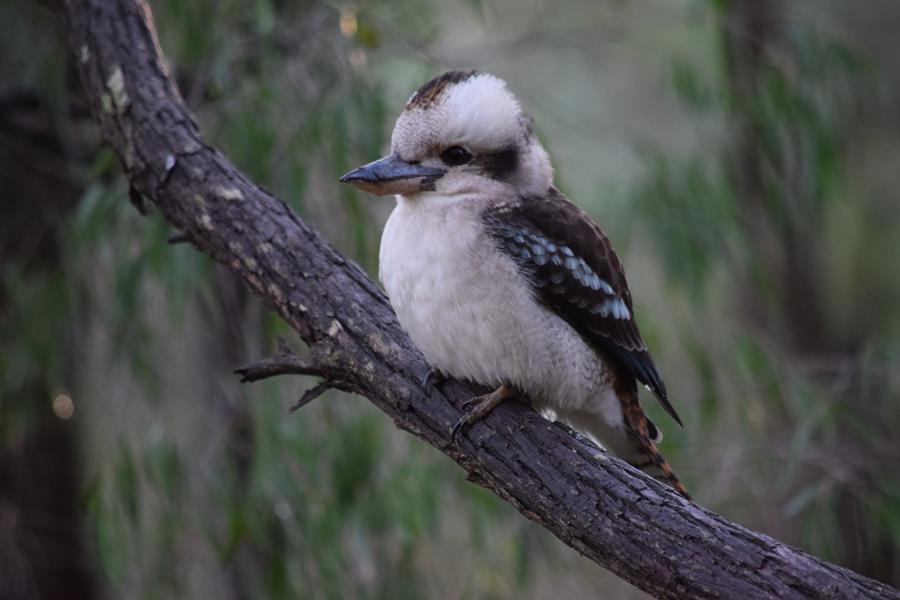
<point x="499" y="279"/>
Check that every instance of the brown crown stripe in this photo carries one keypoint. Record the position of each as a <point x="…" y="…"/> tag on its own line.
<point x="429" y="93"/>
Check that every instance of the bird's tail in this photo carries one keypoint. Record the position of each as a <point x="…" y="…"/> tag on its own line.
<point x="634" y="440"/>
<point x="643" y="436"/>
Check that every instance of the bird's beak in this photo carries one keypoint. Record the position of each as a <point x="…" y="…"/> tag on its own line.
<point x="390" y="175"/>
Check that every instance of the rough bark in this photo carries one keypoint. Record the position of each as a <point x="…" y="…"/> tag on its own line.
<point x="612" y="514"/>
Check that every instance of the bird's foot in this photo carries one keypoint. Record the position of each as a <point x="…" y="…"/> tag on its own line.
<point x="482" y="406"/>
<point x="434" y="377"/>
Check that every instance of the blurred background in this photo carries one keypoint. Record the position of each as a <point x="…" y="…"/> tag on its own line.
<point x="741" y="154"/>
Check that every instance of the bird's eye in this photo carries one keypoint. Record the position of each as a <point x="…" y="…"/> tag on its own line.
<point x="455" y="155"/>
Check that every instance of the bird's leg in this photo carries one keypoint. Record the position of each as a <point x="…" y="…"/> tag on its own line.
<point x="483" y="405"/>
<point x="434" y="377"/>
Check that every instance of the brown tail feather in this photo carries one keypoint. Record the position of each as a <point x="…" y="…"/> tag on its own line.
<point x="640" y="432"/>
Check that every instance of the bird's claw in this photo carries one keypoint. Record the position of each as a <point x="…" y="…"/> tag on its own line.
<point x="482" y="406"/>
<point x="469" y="416"/>
<point x="454" y="432"/>
<point x="434" y="377"/>
<point x="474" y="400"/>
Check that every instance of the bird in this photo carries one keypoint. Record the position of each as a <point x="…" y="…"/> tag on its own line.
<point x="499" y="279"/>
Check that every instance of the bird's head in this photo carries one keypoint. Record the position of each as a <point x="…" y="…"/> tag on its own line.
<point x="461" y="133"/>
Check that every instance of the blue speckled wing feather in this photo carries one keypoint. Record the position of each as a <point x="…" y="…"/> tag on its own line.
<point x="573" y="270"/>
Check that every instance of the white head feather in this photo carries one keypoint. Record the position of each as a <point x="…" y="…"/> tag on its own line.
<point x="478" y="112"/>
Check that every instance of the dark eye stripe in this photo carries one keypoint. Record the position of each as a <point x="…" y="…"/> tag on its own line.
<point x="500" y="165"/>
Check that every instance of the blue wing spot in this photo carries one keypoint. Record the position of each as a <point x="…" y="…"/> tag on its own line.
<point x="614" y="307"/>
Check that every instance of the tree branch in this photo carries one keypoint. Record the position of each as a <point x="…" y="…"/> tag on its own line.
<point x="283" y="363"/>
<point x="611" y="513"/>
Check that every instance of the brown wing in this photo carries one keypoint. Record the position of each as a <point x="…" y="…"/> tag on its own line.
<point x="573" y="269"/>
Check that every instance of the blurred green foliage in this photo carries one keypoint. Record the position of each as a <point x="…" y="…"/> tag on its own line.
<point x="776" y="325"/>
<point x="761" y="206"/>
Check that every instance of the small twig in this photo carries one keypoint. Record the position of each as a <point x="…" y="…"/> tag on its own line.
<point x="179" y="238"/>
<point x="310" y="395"/>
<point x="283" y="363"/>
<point x="137" y="200"/>
<point x="286" y="362"/>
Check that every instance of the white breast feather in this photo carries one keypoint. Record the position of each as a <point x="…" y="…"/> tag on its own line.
<point x="472" y="314"/>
